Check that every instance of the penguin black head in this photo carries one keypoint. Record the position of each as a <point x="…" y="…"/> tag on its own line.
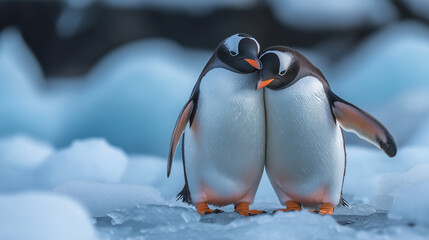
<point x="281" y="67"/>
<point x="239" y="52"/>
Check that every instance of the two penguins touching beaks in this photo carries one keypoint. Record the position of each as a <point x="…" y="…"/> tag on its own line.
<point x="274" y="109"/>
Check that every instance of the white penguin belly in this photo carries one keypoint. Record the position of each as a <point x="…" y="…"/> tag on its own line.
<point x="225" y="147"/>
<point x="305" y="151"/>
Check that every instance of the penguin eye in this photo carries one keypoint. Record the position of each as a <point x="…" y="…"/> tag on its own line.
<point x="282" y="73"/>
<point x="233" y="53"/>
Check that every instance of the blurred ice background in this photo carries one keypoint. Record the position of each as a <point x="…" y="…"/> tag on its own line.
<point x="90" y="91"/>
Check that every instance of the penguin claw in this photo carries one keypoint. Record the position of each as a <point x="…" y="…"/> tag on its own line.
<point x="215" y="211"/>
<point x="286" y="210"/>
<point x="325" y="209"/>
<point x="242" y="208"/>
<point x="248" y="213"/>
<point x="203" y="209"/>
<point x="291" y="206"/>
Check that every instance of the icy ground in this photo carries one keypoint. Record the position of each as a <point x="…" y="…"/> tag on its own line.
<point x="162" y="222"/>
<point x="92" y="190"/>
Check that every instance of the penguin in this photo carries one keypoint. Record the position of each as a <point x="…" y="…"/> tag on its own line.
<point x="223" y="126"/>
<point x="305" y="151"/>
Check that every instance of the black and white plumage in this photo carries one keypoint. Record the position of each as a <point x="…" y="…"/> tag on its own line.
<point x="224" y="127"/>
<point x="306" y="158"/>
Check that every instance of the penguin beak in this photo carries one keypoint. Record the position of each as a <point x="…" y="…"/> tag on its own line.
<point x="254" y="63"/>
<point x="263" y="83"/>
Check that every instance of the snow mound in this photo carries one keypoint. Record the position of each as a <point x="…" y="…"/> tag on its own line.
<point x="42" y="216"/>
<point x="152" y="171"/>
<point x="366" y="166"/>
<point x="85" y="160"/>
<point x="19" y="157"/>
<point x="331" y="14"/>
<point x="412" y="202"/>
<point x="26" y="104"/>
<point x="101" y="199"/>
<point x="398" y="185"/>
<point x="134" y="95"/>
<point x="381" y="66"/>
<point x="421" y="137"/>
<point x="389" y="69"/>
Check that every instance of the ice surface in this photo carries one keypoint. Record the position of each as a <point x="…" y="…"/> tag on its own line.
<point x="389" y="186"/>
<point x="331" y="14"/>
<point x="101" y="198"/>
<point x="43" y="216"/>
<point x="182" y="223"/>
<point x="19" y="157"/>
<point x="85" y="160"/>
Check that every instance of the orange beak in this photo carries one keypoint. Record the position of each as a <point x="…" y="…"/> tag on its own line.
<point x="264" y="83"/>
<point x="254" y="63"/>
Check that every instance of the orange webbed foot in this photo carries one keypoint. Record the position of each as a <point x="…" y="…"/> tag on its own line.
<point x="203" y="209"/>
<point x="242" y="208"/>
<point x="325" y="209"/>
<point x="290" y="207"/>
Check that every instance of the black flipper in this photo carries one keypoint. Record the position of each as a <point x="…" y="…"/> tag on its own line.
<point x="354" y="119"/>
<point x="181" y="123"/>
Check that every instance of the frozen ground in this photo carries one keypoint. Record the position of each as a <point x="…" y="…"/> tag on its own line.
<point x="135" y="200"/>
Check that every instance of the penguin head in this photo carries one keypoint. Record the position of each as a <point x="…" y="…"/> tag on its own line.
<point x="240" y="52"/>
<point x="281" y="67"/>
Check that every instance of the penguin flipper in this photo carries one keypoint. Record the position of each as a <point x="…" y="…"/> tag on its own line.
<point x="354" y="119"/>
<point x="181" y="122"/>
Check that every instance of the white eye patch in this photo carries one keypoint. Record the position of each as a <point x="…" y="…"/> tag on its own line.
<point x="232" y="43"/>
<point x="285" y="59"/>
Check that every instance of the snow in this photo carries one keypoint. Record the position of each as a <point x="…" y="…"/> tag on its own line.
<point x="152" y="171"/>
<point x="129" y="88"/>
<point x="389" y="185"/>
<point x="19" y="157"/>
<point x="412" y="202"/>
<point x="366" y="166"/>
<point x="420" y="138"/>
<point x="139" y="201"/>
<point x="85" y="160"/>
<point x="389" y="70"/>
<point x="332" y="15"/>
<point x="101" y="198"/>
<point x="377" y="67"/>
<point x="43" y="216"/>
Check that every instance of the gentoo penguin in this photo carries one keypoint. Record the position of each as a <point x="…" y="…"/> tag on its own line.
<point x="224" y="130"/>
<point x="306" y="159"/>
